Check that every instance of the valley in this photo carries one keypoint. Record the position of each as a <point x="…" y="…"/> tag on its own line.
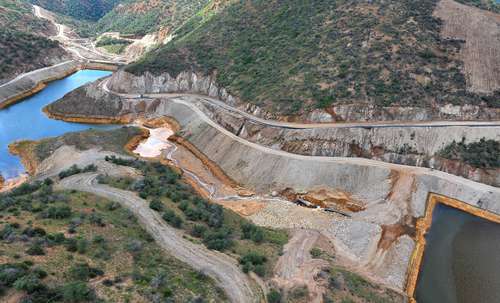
<point x="258" y="159"/>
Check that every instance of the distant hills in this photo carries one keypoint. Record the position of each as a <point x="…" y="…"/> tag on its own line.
<point x="80" y="9"/>
<point x="23" y="40"/>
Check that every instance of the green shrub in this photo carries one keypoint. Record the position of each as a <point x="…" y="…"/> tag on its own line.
<point x="35" y="250"/>
<point x="29" y="283"/>
<point x="59" y="212"/>
<point x="274" y="296"/>
<point x="83" y="272"/>
<point x="315" y="252"/>
<point x="77" y="292"/>
<point x="483" y="154"/>
<point x="219" y="239"/>
<point x="156" y="205"/>
<point x="172" y="218"/>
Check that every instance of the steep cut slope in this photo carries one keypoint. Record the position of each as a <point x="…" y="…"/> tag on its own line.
<point x="142" y="17"/>
<point x="24" y="45"/>
<point x="293" y="56"/>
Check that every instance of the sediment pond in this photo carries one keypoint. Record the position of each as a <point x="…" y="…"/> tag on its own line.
<point x="462" y="259"/>
<point x="26" y="120"/>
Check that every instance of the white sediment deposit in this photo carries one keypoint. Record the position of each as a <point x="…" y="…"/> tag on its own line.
<point x="155" y="143"/>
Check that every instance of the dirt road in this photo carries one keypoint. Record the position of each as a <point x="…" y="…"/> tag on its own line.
<point x="82" y="48"/>
<point x="194" y="98"/>
<point x="217" y="265"/>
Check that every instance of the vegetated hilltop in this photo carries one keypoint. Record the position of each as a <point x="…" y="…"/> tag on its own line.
<point x="79" y="9"/>
<point x="293" y="56"/>
<point x="143" y="17"/>
<point x="23" y="42"/>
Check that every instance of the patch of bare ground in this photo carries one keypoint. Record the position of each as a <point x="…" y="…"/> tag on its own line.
<point x="243" y="208"/>
<point x="296" y="268"/>
<point x="480" y="30"/>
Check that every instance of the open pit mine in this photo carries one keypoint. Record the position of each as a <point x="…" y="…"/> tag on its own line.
<point x="228" y="201"/>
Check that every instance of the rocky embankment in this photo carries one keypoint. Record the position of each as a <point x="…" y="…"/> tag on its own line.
<point x="30" y="83"/>
<point x="190" y="82"/>
<point x="391" y="197"/>
<point x="415" y="146"/>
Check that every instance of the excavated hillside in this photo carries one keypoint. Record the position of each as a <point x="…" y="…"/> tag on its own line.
<point x="291" y="57"/>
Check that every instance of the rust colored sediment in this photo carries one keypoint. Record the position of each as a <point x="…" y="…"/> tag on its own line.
<point x="89" y="120"/>
<point x="162" y="122"/>
<point x="42" y="84"/>
<point x="136" y="140"/>
<point x="423" y="226"/>
<point x="214" y="168"/>
<point x="21" y="96"/>
<point x="28" y="160"/>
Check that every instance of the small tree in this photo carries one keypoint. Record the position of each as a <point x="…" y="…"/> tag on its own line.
<point x="274" y="296"/>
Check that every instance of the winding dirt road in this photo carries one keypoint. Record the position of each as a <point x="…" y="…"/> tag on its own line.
<point x="223" y="269"/>
<point x="82" y="48"/>
<point x="297" y="125"/>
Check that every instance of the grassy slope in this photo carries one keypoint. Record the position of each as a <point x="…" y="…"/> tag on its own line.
<point x="22" y="44"/>
<point x="107" y="237"/>
<point x="141" y="17"/>
<point x="296" y="55"/>
<point x="79" y="9"/>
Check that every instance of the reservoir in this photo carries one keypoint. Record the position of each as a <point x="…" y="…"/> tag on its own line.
<point x="461" y="261"/>
<point x="26" y="121"/>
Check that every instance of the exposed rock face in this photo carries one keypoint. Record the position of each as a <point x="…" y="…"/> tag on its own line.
<point x="416" y="146"/>
<point x="370" y="112"/>
<point x="185" y="82"/>
<point x="190" y="82"/>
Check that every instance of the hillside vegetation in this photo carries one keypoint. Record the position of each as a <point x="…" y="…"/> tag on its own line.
<point x="292" y="56"/>
<point x="483" y="153"/>
<point x="17" y="15"/>
<point x="76" y="247"/>
<point x="142" y="17"/>
<point x="23" y="42"/>
<point x="79" y="9"/>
